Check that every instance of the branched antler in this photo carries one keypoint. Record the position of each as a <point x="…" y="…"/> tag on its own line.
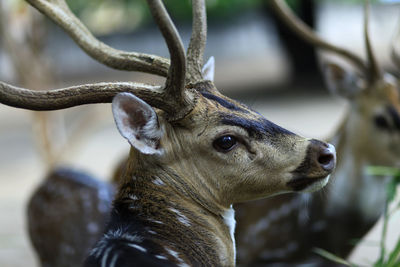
<point x="197" y="41"/>
<point x="307" y="34"/>
<point x="59" y="12"/>
<point x="173" y="97"/>
<point x="175" y="83"/>
<point x="75" y="95"/>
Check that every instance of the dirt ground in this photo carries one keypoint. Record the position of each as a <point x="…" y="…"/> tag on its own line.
<point x="22" y="168"/>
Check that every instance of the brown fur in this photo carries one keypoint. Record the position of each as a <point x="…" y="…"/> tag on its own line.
<point x="200" y="183"/>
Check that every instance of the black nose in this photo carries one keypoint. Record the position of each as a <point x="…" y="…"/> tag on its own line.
<point x="324" y="155"/>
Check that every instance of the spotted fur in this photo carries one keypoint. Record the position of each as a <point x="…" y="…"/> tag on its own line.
<point x="179" y="202"/>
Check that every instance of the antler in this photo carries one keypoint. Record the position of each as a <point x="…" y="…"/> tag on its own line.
<point x="307" y="34"/>
<point x="73" y="96"/>
<point x="175" y="84"/>
<point x="197" y="41"/>
<point x="172" y="97"/>
<point x="375" y="72"/>
<point x="59" y="12"/>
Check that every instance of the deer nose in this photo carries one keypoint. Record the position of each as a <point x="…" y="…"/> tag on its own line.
<point x="324" y="155"/>
<point x="327" y="158"/>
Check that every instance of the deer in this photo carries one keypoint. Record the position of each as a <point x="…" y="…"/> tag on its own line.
<point x="286" y="228"/>
<point x="194" y="152"/>
<point x="58" y="232"/>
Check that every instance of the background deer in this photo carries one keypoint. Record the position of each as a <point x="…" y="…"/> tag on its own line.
<point x="194" y="151"/>
<point x="286" y="228"/>
<point x="58" y="232"/>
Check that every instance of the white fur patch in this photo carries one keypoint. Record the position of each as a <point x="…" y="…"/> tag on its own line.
<point x="229" y="220"/>
<point x="161" y="257"/>
<point x="158" y="181"/>
<point x="137" y="247"/>
<point x="105" y="256"/>
<point x="155" y="221"/>
<point x="133" y="197"/>
<point x="182" y="218"/>
<point x="175" y="254"/>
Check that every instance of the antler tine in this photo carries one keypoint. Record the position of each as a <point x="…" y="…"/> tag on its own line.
<point x="60" y="13"/>
<point x="77" y="95"/>
<point x="307" y="34"/>
<point x="175" y="84"/>
<point x="198" y="40"/>
<point x="375" y="72"/>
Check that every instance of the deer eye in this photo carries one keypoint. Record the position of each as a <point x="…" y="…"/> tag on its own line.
<point x="225" y="143"/>
<point x="381" y="122"/>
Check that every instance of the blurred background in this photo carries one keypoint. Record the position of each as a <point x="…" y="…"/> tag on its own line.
<point x="258" y="61"/>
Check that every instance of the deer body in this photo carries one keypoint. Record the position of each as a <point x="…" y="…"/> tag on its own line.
<point x="63" y="231"/>
<point x="354" y="200"/>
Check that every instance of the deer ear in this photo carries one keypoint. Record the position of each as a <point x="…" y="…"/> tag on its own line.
<point x="208" y="70"/>
<point x="137" y="122"/>
<point x="341" y="81"/>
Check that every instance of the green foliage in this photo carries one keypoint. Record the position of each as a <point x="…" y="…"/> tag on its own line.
<point x="391" y="259"/>
<point x="105" y="16"/>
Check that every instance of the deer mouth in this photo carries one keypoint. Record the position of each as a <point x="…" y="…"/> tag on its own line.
<point x="302" y="183"/>
<point x="313" y="173"/>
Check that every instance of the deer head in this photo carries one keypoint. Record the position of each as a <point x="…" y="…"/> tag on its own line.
<point x="202" y="144"/>
<point x="373" y="94"/>
<point x="187" y="115"/>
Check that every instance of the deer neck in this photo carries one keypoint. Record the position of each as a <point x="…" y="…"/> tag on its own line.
<point x="351" y="189"/>
<point x="186" y="227"/>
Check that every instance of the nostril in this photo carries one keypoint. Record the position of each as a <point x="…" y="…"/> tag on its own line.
<point x="325" y="159"/>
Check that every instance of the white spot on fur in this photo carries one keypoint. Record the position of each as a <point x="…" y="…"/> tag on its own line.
<point x="121" y="234"/>
<point x="161" y="257"/>
<point x="155" y="221"/>
<point x="113" y="234"/>
<point x="229" y="220"/>
<point x="175" y="254"/>
<point x="137" y="247"/>
<point x="274" y="215"/>
<point x="152" y="232"/>
<point x="158" y="181"/>
<point x="105" y="256"/>
<point x="182" y="218"/>
<point x="133" y="197"/>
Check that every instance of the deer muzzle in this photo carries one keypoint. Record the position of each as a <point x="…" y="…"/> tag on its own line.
<point x="313" y="172"/>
